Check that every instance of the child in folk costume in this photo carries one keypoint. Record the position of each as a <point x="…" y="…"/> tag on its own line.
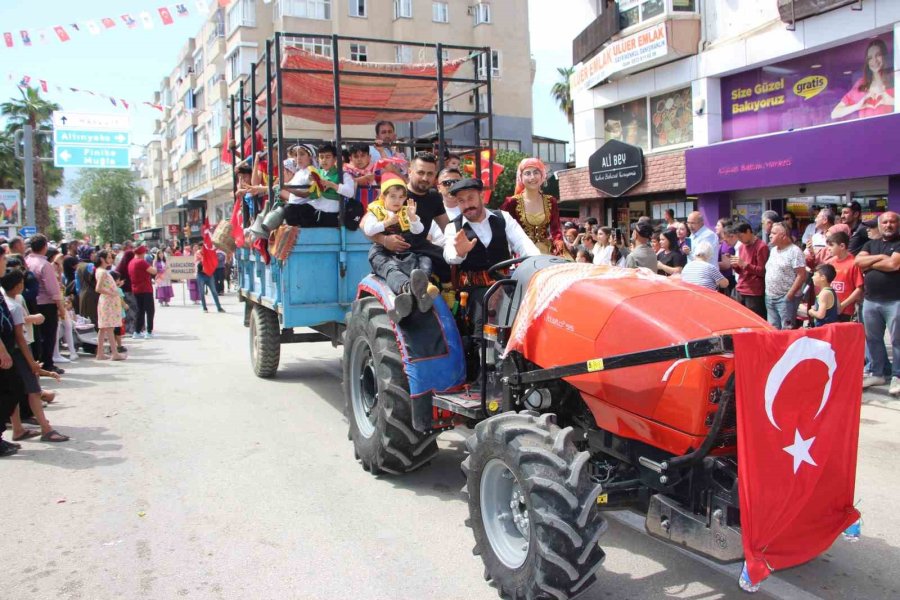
<point x="406" y="273"/>
<point x="164" y="292"/>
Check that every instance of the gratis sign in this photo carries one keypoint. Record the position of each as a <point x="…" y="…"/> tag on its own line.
<point x="87" y="140"/>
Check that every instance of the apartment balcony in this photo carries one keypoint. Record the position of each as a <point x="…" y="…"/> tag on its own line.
<point x="792" y="11"/>
<point x="187" y="118"/>
<point x="587" y="43"/>
<point x="187" y="159"/>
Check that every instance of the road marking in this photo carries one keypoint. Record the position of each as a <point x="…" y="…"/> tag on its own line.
<point x="773" y="586"/>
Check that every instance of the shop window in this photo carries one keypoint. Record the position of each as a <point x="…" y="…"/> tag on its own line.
<point x="684" y="5"/>
<point x="651" y="123"/>
<point x="671" y="121"/>
<point x="627" y="123"/>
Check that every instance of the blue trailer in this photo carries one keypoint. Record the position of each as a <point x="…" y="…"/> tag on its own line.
<point x="315" y="287"/>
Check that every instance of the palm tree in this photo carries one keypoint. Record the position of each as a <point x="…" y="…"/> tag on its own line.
<point x="37" y="112"/>
<point x="562" y="93"/>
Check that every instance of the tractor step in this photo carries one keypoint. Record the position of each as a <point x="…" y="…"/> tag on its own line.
<point x="466" y="403"/>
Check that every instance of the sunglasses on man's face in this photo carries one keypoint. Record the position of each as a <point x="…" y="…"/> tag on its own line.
<point x="449" y="182"/>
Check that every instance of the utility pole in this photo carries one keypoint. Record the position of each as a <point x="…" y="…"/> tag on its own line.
<point x="28" y="135"/>
<point x="25" y="137"/>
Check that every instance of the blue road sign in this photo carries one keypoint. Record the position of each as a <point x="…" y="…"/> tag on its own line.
<point x="82" y="137"/>
<point x="96" y="157"/>
<point x="27" y="231"/>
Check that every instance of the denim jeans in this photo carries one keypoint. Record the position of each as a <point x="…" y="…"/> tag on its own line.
<point x="206" y="281"/>
<point x="781" y="312"/>
<point x="879" y="316"/>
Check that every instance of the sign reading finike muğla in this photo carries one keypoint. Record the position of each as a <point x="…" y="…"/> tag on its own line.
<point x="616" y="167"/>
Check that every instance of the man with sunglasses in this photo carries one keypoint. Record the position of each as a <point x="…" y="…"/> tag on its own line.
<point x="446" y="178"/>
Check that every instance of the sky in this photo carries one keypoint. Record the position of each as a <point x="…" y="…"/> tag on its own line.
<point x="130" y="63"/>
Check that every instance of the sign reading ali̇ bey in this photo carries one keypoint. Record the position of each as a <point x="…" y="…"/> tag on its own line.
<point x="181" y="268"/>
<point x="616" y="167"/>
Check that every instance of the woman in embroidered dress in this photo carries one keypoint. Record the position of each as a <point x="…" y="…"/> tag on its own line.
<point x="536" y="212"/>
<point x="164" y="291"/>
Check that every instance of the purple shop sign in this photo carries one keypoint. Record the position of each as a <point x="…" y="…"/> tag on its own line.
<point x="863" y="148"/>
<point x="849" y="82"/>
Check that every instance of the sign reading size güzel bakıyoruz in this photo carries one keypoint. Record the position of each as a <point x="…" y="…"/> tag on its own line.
<point x="616" y="167"/>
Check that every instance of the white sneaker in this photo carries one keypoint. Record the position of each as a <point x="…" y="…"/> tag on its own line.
<point x="73" y="357"/>
<point x="135" y="336"/>
<point x="895" y="386"/>
<point x="872" y="380"/>
<point x="60" y="359"/>
<point x="148" y="335"/>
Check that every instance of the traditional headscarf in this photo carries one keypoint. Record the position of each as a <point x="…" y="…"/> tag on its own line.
<point x="529" y="163"/>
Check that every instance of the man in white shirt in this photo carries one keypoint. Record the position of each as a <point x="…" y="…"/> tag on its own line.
<point x="699" y="233"/>
<point x="385" y="137"/>
<point x="477" y="240"/>
<point x="480" y="238"/>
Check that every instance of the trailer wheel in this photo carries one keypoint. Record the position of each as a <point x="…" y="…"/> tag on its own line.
<point x="532" y="507"/>
<point x="377" y="395"/>
<point x="265" y="342"/>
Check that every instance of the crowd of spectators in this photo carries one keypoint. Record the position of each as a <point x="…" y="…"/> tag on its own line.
<point x="839" y="269"/>
<point x="75" y="297"/>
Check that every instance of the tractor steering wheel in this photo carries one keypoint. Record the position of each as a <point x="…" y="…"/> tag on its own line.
<point x="493" y="271"/>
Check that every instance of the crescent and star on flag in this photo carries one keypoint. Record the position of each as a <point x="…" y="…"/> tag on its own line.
<point x="802" y="349"/>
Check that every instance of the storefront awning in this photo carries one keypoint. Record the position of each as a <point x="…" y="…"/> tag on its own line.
<point x="852" y="150"/>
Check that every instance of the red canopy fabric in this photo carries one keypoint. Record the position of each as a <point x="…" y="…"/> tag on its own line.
<point x="359" y="90"/>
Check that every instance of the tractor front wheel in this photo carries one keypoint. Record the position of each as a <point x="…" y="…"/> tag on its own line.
<point x="532" y="507"/>
<point x="377" y="395"/>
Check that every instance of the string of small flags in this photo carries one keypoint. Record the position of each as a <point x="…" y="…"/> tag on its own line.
<point x="65" y="33"/>
<point x="27" y="81"/>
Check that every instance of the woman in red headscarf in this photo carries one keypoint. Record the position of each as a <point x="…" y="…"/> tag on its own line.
<point x="536" y="212"/>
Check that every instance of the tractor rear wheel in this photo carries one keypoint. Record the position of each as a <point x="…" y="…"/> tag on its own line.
<point x="377" y="395"/>
<point x="265" y="342"/>
<point x="532" y="507"/>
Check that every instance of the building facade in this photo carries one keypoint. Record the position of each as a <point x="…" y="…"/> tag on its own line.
<point x="739" y="107"/>
<point x="194" y="184"/>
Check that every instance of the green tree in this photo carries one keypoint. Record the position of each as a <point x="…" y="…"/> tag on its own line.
<point x="109" y="198"/>
<point x="53" y="231"/>
<point x="562" y="93"/>
<point x="33" y="110"/>
<point x="506" y="183"/>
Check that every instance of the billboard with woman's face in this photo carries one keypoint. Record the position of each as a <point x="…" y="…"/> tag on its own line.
<point x="853" y="81"/>
<point x="9" y="207"/>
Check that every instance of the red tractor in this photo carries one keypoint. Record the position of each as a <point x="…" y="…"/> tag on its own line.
<point x="613" y="388"/>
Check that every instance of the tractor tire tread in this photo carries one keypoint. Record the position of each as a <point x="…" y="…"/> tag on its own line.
<point x="267" y="353"/>
<point x="397" y="447"/>
<point x="567" y="524"/>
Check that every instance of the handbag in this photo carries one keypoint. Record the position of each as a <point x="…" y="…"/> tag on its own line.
<point x="221" y="237"/>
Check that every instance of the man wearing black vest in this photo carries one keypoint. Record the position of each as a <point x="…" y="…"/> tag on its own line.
<point x="478" y="239"/>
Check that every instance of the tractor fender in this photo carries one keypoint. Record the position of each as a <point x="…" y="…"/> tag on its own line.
<point x="430" y="346"/>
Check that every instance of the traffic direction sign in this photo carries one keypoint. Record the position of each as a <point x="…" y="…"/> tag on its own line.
<point x="28" y="231"/>
<point x="98" y="157"/>
<point x="103" y="138"/>
<point x="97" y="141"/>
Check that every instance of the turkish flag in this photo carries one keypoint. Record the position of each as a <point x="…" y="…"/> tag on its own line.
<point x="798" y="403"/>
<point x="166" y="16"/>
<point x="8" y="38"/>
<point x="208" y="251"/>
<point x="61" y="33"/>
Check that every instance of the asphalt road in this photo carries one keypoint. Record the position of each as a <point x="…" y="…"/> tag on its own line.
<point x="189" y="477"/>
